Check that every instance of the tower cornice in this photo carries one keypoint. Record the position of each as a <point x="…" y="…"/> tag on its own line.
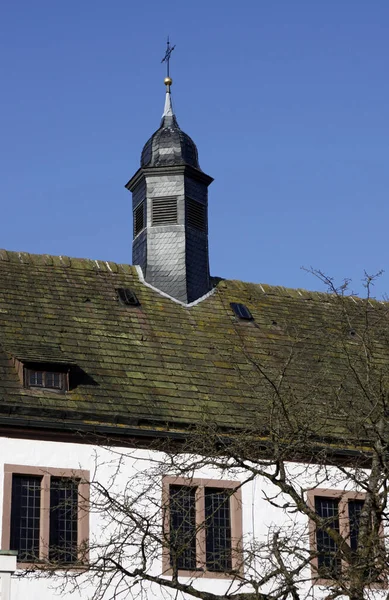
<point x="167" y="170"/>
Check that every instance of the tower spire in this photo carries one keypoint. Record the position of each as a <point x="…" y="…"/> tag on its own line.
<point x="168" y="109"/>
<point x="170" y="207"/>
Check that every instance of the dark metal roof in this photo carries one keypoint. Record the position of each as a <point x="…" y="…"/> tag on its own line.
<point x="169" y="145"/>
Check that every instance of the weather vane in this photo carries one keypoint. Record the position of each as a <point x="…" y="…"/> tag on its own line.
<point x="166" y="59"/>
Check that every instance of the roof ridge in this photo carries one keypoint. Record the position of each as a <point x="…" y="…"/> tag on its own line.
<point x="108" y="266"/>
<point x="51" y="260"/>
<point x="304" y="294"/>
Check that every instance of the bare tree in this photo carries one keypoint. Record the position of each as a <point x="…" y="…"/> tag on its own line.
<point x="327" y="430"/>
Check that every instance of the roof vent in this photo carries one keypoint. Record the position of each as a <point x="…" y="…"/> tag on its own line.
<point x="139" y="219"/>
<point x="196" y="214"/>
<point x="127" y="297"/>
<point x="241" y="311"/>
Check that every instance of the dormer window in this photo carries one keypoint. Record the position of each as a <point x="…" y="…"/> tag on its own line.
<point x="52" y="380"/>
<point x="47" y="367"/>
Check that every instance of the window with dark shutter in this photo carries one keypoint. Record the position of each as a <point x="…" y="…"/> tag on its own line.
<point x="139" y="218"/>
<point x="164" y="211"/>
<point x="196" y="214"/>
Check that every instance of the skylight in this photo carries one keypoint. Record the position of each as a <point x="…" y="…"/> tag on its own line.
<point x="241" y="311"/>
<point x="127" y="296"/>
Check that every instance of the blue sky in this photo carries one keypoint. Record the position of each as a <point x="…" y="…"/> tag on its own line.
<point x="288" y="102"/>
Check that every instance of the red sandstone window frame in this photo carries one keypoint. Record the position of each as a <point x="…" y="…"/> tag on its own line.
<point x="344" y="528"/>
<point x="83" y="510"/>
<point x="236" y="526"/>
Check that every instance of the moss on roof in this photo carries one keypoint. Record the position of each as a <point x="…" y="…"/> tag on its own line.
<point x="166" y="365"/>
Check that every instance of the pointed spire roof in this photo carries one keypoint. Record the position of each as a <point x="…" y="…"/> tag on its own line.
<point x="168" y="110"/>
<point x="168" y="116"/>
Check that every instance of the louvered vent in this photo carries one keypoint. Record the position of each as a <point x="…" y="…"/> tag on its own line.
<point x="139" y="219"/>
<point x="164" y="211"/>
<point x="196" y="216"/>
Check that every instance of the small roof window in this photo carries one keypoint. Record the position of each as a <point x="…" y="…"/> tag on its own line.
<point x="127" y="296"/>
<point x="241" y="311"/>
<point x="46" y="379"/>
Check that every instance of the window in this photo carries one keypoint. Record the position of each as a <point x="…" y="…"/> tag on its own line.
<point x="164" y="211"/>
<point x="127" y="296"/>
<point x="45" y="515"/>
<point x="354" y="513"/>
<point x="328" y="557"/>
<point x="53" y="380"/>
<point x="217" y="529"/>
<point x="202" y="526"/>
<point x="341" y="510"/>
<point x="182" y="526"/>
<point x="25" y="516"/>
<point x="139" y="218"/>
<point x="241" y="311"/>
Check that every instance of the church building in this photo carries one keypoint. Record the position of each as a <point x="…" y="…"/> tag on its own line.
<point x="104" y="366"/>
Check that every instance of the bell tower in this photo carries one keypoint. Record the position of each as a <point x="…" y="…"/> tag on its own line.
<point x="170" y="210"/>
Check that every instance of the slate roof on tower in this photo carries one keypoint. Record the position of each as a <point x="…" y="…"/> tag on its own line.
<point x="169" y="145"/>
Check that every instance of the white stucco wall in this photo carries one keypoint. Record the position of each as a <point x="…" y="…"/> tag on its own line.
<point x="259" y="516"/>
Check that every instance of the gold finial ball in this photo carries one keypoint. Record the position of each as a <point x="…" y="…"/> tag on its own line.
<point x="168" y="81"/>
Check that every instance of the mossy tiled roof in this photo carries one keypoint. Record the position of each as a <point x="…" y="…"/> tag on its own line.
<point x="162" y="364"/>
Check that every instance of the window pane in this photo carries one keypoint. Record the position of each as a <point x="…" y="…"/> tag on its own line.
<point x="182" y="508"/>
<point x="25" y="517"/>
<point x="329" y="562"/>
<point x="218" y="529"/>
<point x="53" y="380"/>
<point x="36" y="378"/>
<point x="354" y="511"/>
<point x="63" y="520"/>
